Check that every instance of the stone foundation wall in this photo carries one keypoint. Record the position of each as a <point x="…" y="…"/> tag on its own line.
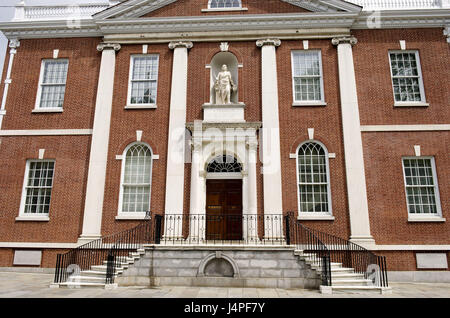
<point x="228" y="267"/>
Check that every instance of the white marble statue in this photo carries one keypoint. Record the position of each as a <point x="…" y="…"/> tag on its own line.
<point x="224" y="86"/>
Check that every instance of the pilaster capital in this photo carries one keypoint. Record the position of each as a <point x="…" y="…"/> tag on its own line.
<point x="263" y="42"/>
<point x="183" y="44"/>
<point x="344" y="40"/>
<point x="108" y="46"/>
<point x="447" y="33"/>
<point x="14" y="43"/>
<point x="196" y="144"/>
<point x="252" y="145"/>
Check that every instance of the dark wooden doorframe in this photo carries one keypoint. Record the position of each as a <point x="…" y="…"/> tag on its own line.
<point x="224" y="209"/>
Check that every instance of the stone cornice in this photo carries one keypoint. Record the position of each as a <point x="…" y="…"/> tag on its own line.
<point x="273" y="42"/>
<point x="344" y="40"/>
<point x="108" y="46"/>
<point x="183" y="44"/>
<point x="245" y="125"/>
<point x="263" y="24"/>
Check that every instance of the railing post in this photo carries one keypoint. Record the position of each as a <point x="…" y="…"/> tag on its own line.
<point x="288" y="233"/>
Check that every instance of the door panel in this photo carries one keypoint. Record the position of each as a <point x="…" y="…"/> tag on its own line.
<point x="224" y="209"/>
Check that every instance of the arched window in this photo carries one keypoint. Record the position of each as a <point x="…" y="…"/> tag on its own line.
<point x="223" y="164"/>
<point x="313" y="178"/>
<point x="217" y="4"/>
<point x="136" y="180"/>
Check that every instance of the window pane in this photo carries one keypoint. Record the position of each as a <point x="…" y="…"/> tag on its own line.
<point x="420" y="192"/>
<point x="53" y="84"/>
<point x="39" y="187"/>
<point x="225" y="4"/>
<point x="137" y="179"/>
<point x="307" y="76"/>
<point x="405" y="77"/>
<point x="144" y="79"/>
<point x="313" y="181"/>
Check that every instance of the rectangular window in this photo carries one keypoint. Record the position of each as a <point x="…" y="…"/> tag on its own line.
<point x="143" y="80"/>
<point x="422" y="195"/>
<point x="52" y="85"/>
<point x="38" y="187"/>
<point x="307" y="76"/>
<point x="406" y="76"/>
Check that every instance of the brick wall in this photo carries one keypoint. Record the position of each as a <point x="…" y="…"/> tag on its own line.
<point x="71" y="154"/>
<point x="383" y="154"/>
<point x="194" y="8"/>
<point x="374" y="83"/>
<point x="82" y="79"/>
<point x="326" y="121"/>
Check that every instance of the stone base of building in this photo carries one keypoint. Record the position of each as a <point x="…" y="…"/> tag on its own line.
<point x="258" y="267"/>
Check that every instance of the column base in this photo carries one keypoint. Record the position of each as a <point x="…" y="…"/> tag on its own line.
<point x="84" y="239"/>
<point x="367" y="242"/>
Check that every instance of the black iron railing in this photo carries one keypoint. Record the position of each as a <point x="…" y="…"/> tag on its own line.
<point x="352" y="255"/>
<point x="112" y="248"/>
<point x="234" y="229"/>
<point x="312" y="247"/>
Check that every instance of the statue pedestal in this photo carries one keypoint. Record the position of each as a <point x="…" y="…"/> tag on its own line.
<point x="223" y="113"/>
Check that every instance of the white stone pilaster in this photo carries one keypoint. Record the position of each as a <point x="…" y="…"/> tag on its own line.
<point x="13" y="45"/>
<point x="177" y="125"/>
<point x="271" y="138"/>
<point x="95" y="188"/>
<point x="196" y="213"/>
<point x="354" y="161"/>
<point x="252" y="199"/>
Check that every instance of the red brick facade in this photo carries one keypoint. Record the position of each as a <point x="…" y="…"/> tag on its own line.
<point x="383" y="151"/>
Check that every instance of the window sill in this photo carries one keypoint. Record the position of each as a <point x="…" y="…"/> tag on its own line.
<point x="426" y="219"/>
<point x="315" y="217"/>
<point x="143" y="106"/>
<point x="224" y="9"/>
<point x="309" y="103"/>
<point x="47" y="110"/>
<point x="132" y="216"/>
<point x="411" y="104"/>
<point x="42" y="218"/>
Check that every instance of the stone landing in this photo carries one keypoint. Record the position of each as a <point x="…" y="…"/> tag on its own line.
<point x="220" y="266"/>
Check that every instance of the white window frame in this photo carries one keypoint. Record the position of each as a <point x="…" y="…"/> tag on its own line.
<point x="130" y="80"/>
<point x="121" y="215"/>
<point x="33" y="216"/>
<point x="326" y="216"/>
<point x="37" y="106"/>
<point x="423" y="101"/>
<point x="320" y="102"/>
<point x="424" y="216"/>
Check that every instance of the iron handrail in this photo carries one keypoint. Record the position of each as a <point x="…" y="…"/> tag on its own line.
<point x="352" y="255"/>
<point x="96" y="252"/>
<point x="312" y="247"/>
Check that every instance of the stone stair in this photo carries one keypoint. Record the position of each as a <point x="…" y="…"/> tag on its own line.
<point x="96" y="275"/>
<point x="344" y="280"/>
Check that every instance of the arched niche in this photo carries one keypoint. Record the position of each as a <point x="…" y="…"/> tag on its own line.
<point x="230" y="60"/>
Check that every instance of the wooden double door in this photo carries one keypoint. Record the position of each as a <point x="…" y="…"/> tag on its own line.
<point x="224" y="209"/>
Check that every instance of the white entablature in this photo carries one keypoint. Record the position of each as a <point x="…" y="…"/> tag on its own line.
<point x="26" y="12"/>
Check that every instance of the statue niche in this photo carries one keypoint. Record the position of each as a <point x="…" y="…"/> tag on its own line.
<point x="224" y="77"/>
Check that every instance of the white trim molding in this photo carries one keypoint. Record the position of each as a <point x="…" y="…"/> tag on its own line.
<point x="13" y="45"/>
<point x="46" y="132"/>
<point x="382" y="128"/>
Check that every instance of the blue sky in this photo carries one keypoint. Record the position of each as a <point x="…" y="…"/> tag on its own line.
<point x="7" y="13"/>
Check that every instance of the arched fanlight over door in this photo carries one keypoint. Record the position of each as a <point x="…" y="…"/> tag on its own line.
<point x="223" y="164"/>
